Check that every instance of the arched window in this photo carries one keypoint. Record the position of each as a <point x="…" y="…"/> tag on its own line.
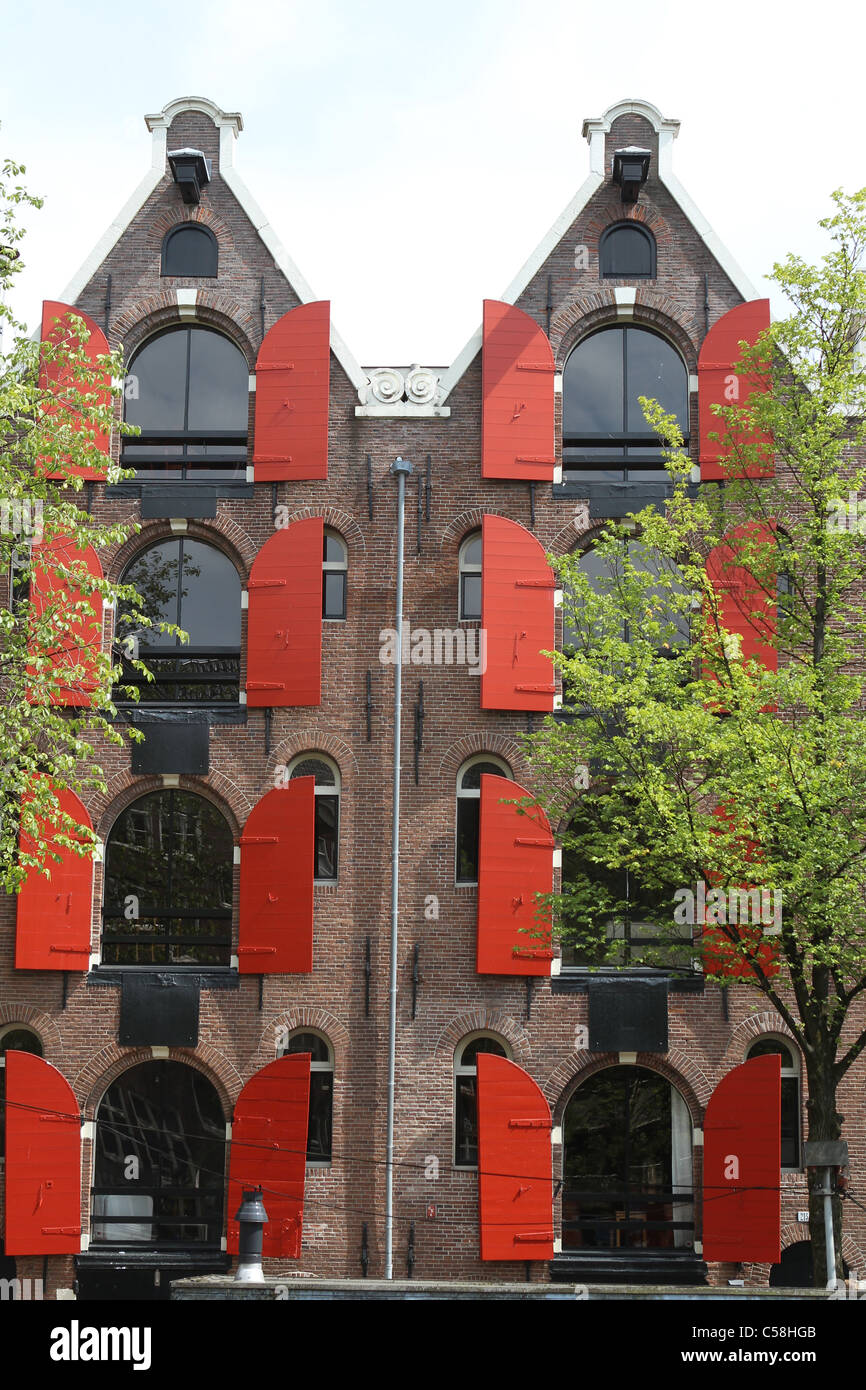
<point x="327" y="836"/>
<point x="627" y="251"/>
<point x="605" y="437"/>
<point x="610" y="918"/>
<point x="767" y="1047"/>
<point x="335" y="567"/>
<point x="168" y="883"/>
<point x="468" y="811"/>
<point x="190" y="249"/>
<point x="14" y="1037"/>
<point x="159" y="1160"/>
<point x="605" y="572"/>
<point x="188" y="391"/>
<point x="319" y="1128"/>
<point x="470" y="577"/>
<point x="466" y="1094"/>
<point x="627" y="1164"/>
<point x="196" y="587"/>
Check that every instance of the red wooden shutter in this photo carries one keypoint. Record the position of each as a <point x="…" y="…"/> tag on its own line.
<point x="517" y="413"/>
<point x="54" y="914"/>
<point x="276" y="903"/>
<point x="292" y="393"/>
<point x="515" y="1169"/>
<point x="284" y="627"/>
<point x="269" y="1150"/>
<point x="517" y="616"/>
<point x="722" y="957"/>
<point x="515" y="861"/>
<point x="79" y="646"/>
<point x="54" y="377"/>
<point x="743" y="607"/>
<point x="43" y="1159"/>
<point x="720" y="384"/>
<point x="742" y="1161"/>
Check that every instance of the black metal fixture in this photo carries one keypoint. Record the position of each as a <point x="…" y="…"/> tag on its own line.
<point x="190" y="171"/>
<point x="251" y="1216"/>
<point x="630" y="171"/>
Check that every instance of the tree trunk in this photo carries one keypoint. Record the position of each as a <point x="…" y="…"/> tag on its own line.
<point x="824" y="1123"/>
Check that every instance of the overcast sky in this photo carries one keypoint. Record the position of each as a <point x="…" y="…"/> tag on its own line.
<point x="410" y="157"/>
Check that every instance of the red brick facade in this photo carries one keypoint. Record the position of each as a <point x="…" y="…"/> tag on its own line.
<point x="238" y="1031"/>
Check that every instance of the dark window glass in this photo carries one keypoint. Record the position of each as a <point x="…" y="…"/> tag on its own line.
<point x="190" y="250"/>
<point x="188" y="391"/>
<point x="471" y="778"/>
<point x="197" y="587"/>
<point x="327" y="816"/>
<point x="602" y="573"/>
<point x="470" y="596"/>
<point x="334" y="594"/>
<point x="611" y="918"/>
<point x="468" y="818"/>
<point x="320" y="1124"/>
<point x="603" y="423"/>
<point x="333" y="550"/>
<point x="168" y="883"/>
<point x="628" y="252"/>
<point x="466" y="1101"/>
<point x="768" y="1047"/>
<point x="16" y="1040"/>
<point x="628" y="1175"/>
<point x="159" y="1160"/>
<point x="327" y="809"/>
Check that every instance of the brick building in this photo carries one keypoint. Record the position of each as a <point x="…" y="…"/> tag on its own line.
<point x="242" y="911"/>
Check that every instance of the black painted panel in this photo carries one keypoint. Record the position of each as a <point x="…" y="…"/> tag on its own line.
<point x="178" y="499"/>
<point x="628" y="1015"/>
<point x="172" y="745"/>
<point x="158" y="1010"/>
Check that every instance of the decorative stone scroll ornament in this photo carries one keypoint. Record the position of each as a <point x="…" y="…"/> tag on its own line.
<point x="422" y="386"/>
<point x="386" y="386"/>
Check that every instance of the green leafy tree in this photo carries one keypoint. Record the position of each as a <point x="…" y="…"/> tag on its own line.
<point x="737" y="760"/>
<point x="56" y="681"/>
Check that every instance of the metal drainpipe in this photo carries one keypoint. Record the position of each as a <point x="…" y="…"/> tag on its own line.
<point x="401" y="467"/>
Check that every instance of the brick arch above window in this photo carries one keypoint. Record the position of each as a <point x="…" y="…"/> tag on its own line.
<point x="344" y="522"/>
<point x="222" y="533"/>
<point x="483" y="1021"/>
<point x="309" y="1018"/>
<point x="124" y="788"/>
<point x="30" y="1017"/>
<point x="586" y="312"/>
<point x="311" y="743"/>
<point x="675" y="1067"/>
<point x="213" y="309"/>
<point x="749" y="1030"/>
<point x="497" y="744"/>
<point x="112" y="1061"/>
<point x="180" y="216"/>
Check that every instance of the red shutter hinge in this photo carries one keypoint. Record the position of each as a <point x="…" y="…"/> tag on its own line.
<point x="535" y="458"/>
<point x="536" y="367"/>
<point x="267" y="583"/>
<point x="540" y="1123"/>
<point x="61" y="1230"/>
<point x="527" y="1237"/>
<point x="540" y="953"/>
<point x="275" y="366"/>
<point x="544" y="844"/>
<point x="541" y="689"/>
<point x="260" y="839"/>
<point x="257" y="950"/>
<point x="266" y="685"/>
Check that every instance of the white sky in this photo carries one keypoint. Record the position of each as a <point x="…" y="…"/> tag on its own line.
<point x="411" y="156"/>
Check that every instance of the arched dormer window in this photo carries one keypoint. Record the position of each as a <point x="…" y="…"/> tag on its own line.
<point x="190" y="249"/>
<point x="627" y="251"/>
<point x="187" y="389"/>
<point x="605" y="437"/>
